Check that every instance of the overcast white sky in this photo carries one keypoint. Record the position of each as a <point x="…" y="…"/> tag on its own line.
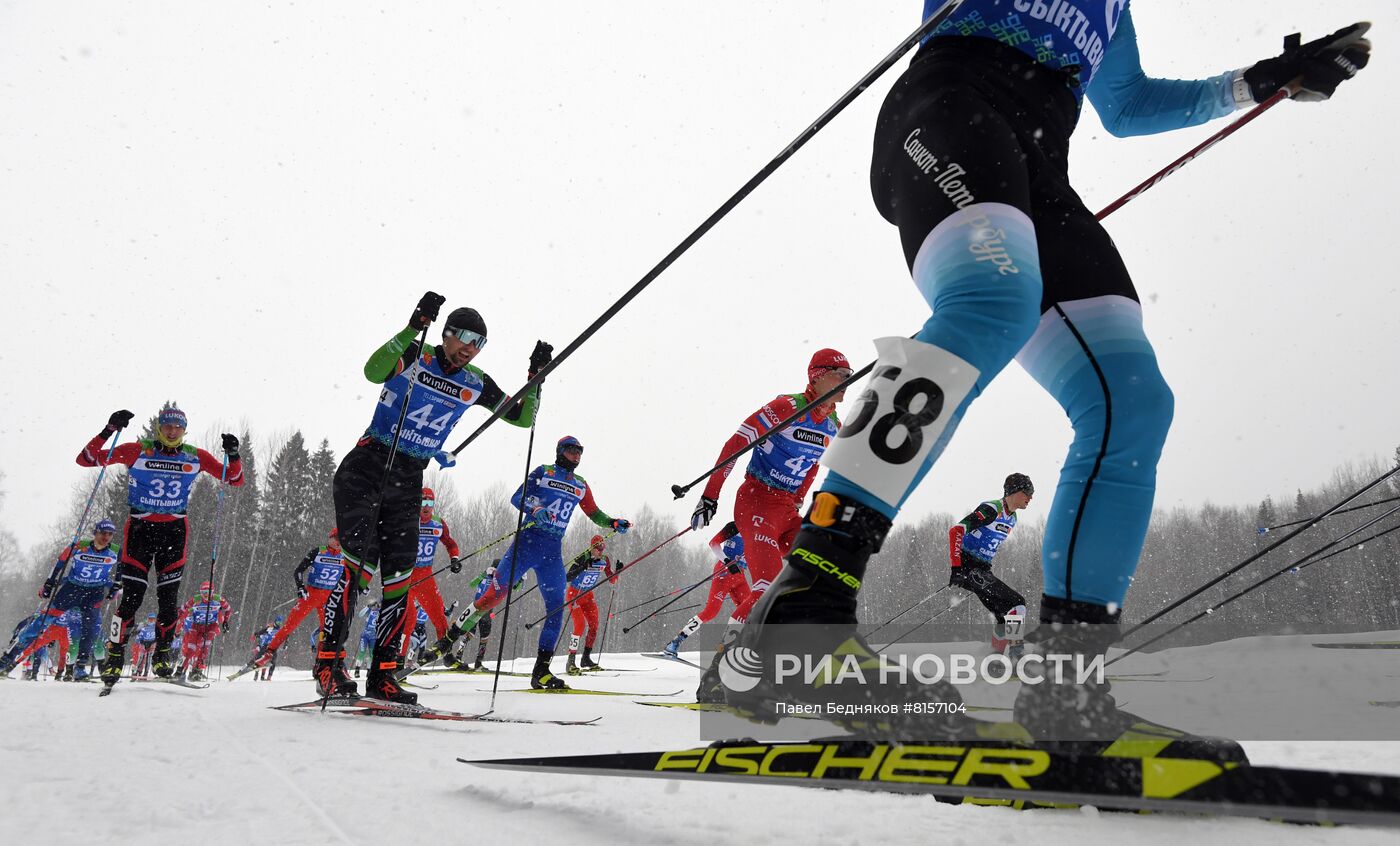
<point x="233" y="204"/>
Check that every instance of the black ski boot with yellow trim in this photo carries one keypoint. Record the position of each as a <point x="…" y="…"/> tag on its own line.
<point x="541" y="678"/>
<point x="809" y="613"/>
<point x="1067" y="716"/>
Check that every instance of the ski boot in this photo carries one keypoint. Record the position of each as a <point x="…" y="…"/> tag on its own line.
<point x="161" y="662"/>
<point x="1066" y="716"/>
<point x="67" y="673"/>
<point x="478" y="667"/>
<point x="197" y="674"/>
<point x="571" y="668"/>
<point x="541" y="678"/>
<point x="80" y="673"/>
<point x="588" y="664"/>
<point x="357" y="671"/>
<point x="331" y="679"/>
<point x="112" y="667"/>
<point x="32" y="673"/>
<point x="449" y="660"/>
<point x="817" y="591"/>
<point x="673" y="648"/>
<point x="380" y="682"/>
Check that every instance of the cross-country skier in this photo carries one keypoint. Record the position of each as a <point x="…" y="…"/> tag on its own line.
<point x="156" y="538"/>
<point x="972" y="544"/>
<point x="31" y="637"/>
<point x="263" y="671"/>
<point x="971" y="164"/>
<point x="202" y="617"/>
<point x="586" y="571"/>
<point x="767" y="508"/>
<point x="86" y="584"/>
<point x="548" y="497"/>
<point x="316" y="576"/>
<point x="424" y="593"/>
<point x="728" y="580"/>
<point x="378" y="485"/>
<point x="145" y="645"/>
<point x="370" y="613"/>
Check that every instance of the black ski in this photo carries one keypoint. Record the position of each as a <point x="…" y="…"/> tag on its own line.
<point x="579" y="691"/>
<point x="1011" y="775"/>
<point x="1379" y="644"/>
<point x="362" y="707"/>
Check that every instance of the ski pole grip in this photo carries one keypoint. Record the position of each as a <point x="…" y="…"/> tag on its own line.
<point x="678" y="492"/>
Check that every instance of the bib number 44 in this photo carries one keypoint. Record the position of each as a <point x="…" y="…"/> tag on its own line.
<point x="901" y="416"/>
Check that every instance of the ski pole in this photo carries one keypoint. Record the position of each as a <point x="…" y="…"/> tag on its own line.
<point x="1356" y="545"/>
<point x="1190" y="155"/>
<point x="626" y="629"/>
<point x="634" y="562"/>
<point x="907" y="610"/>
<point x="1297" y="564"/>
<point x="650" y="601"/>
<point x="603" y="638"/>
<point x="786" y="153"/>
<point x="473" y="553"/>
<point x="1264" y="530"/>
<point x="684" y="608"/>
<point x="515" y="554"/>
<point x="957" y="600"/>
<point x="1313" y="521"/>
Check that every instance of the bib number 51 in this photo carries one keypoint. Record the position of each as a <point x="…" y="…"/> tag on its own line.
<point x="901" y="416"/>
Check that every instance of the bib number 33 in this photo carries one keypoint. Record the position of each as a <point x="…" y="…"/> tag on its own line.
<point x="900" y="417"/>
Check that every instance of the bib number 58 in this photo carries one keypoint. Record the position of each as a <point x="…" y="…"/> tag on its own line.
<point x="901" y="416"/>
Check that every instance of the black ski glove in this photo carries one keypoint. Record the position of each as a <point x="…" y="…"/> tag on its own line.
<point x="456" y="565"/>
<point x="230" y="445"/>
<point x="704" y="512"/>
<point x="540" y="358"/>
<point x="46" y="590"/>
<point x="426" y="311"/>
<point x="117" y="421"/>
<point x="1318" y="66"/>
<point x="302" y="592"/>
<point x="733" y="564"/>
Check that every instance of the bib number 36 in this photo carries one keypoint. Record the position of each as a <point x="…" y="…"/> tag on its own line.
<point x="900" y="417"/>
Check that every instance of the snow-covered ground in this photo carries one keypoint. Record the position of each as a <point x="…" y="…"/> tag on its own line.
<point x="155" y="764"/>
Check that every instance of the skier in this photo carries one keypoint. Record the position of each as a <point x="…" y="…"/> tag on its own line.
<point x="728" y="580"/>
<point x="973" y="543"/>
<point x="202" y="617"/>
<point x="263" y="671"/>
<point x="87" y="583"/>
<point x="585" y="572"/>
<point x="767" y="506"/>
<point x="145" y="645"/>
<point x="31" y="637"/>
<point x="379" y="482"/>
<point x="417" y="639"/>
<point x="315" y="577"/>
<point x="423" y="591"/>
<point x="155" y="540"/>
<point x="970" y="163"/>
<point x="367" y="635"/>
<point x="549" y="496"/>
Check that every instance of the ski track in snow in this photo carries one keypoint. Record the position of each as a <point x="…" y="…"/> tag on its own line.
<point x="219" y="767"/>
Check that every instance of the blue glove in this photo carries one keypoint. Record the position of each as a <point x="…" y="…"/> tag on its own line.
<point x="445" y="459"/>
<point x="621" y="526"/>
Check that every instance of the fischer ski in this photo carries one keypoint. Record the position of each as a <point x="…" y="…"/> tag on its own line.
<point x="363" y="707"/>
<point x="1007" y="774"/>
